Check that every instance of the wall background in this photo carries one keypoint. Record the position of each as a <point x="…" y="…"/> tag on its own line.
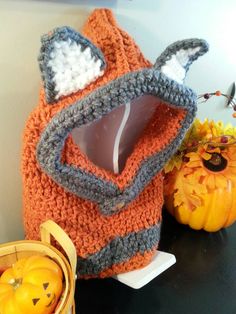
<point x="154" y="24"/>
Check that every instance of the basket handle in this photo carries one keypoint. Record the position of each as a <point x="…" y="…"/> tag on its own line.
<point x="49" y="228"/>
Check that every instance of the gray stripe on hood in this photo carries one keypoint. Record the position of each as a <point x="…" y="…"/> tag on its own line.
<point x="119" y="250"/>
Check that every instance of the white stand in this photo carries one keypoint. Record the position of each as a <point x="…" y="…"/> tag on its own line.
<point x="138" y="278"/>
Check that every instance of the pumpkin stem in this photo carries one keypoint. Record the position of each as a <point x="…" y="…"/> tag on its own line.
<point x="16" y="283"/>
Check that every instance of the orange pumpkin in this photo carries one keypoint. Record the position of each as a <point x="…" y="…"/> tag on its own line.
<point x="202" y="193"/>
<point x="31" y="285"/>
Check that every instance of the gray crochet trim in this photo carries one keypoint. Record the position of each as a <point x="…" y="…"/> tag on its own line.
<point x="106" y="194"/>
<point x="61" y="34"/>
<point x="87" y="185"/>
<point x="119" y="250"/>
<point x="182" y="45"/>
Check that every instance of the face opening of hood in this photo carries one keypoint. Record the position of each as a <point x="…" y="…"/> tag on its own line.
<point x="152" y="114"/>
<point x="118" y="142"/>
<point x="109" y="141"/>
<point x="108" y="144"/>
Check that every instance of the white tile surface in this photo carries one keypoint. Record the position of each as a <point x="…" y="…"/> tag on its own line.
<point x="138" y="278"/>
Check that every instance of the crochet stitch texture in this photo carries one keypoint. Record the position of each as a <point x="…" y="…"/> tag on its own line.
<point x="113" y="219"/>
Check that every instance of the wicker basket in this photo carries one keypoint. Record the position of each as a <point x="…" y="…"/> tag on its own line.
<point x="13" y="251"/>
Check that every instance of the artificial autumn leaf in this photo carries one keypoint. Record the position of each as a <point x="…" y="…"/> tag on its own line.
<point x="185" y="193"/>
<point x="193" y="164"/>
<point x="212" y="150"/>
<point x="207" y="174"/>
<point x="206" y="156"/>
<point x="173" y="163"/>
<point x="197" y="177"/>
<point x="229" y="129"/>
<point x="193" y="156"/>
<point x="187" y="170"/>
<point x="196" y="201"/>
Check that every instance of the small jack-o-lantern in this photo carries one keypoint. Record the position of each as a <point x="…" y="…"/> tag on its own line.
<point x="31" y="285"/>
<point x="200" y="187"/>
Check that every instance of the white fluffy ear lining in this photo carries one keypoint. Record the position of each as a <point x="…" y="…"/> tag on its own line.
<point x="175" y="61"/>
<point x="175" y="67"/>
<point x="68" y="62"/>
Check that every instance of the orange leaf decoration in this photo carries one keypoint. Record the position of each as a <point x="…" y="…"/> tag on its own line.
<point x="187" y="192"/>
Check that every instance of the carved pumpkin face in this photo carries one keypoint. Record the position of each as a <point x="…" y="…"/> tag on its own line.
<point x="202" y="192"/>
<point x="32" y="285"/>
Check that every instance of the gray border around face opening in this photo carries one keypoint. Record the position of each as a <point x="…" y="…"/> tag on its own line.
<point x="91" y="108"/>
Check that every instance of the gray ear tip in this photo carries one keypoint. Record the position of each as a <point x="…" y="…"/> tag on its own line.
<point x="58" y="32"/>
<point x="175" y="61"/>
<point x="202" y="43"/>
<point x="205" y="45"/>
<point x="190" y="43"/>
<point x="185" y="44"/>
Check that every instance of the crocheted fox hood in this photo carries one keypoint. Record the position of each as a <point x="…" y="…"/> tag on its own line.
<point x="112" y="214"/>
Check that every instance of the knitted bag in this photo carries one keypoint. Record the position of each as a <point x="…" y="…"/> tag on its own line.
<point x="113" y="219"/>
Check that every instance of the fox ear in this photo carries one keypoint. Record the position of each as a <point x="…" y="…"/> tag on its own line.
<point x="175" y="61"/>
<point x="68" y="62"/>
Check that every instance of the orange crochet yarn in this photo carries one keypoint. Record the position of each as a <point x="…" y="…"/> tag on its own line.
<point x="113" y="219"/>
